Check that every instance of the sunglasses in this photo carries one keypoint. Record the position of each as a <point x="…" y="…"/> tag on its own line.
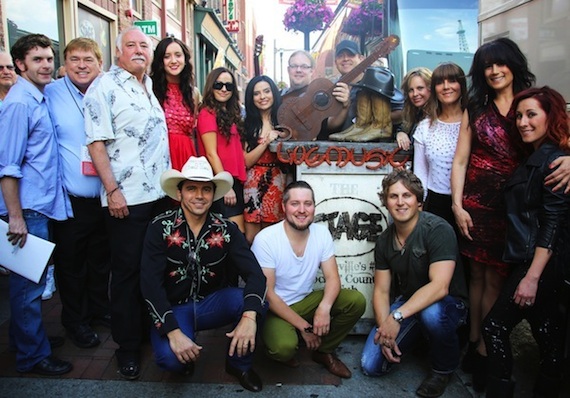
<point x="220" y="85"/>
<point x="9" y="67"/>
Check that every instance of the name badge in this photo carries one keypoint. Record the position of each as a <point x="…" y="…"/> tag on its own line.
<point x="87" y="168"/>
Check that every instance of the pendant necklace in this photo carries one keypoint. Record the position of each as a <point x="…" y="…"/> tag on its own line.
<point x="402" y="245"/>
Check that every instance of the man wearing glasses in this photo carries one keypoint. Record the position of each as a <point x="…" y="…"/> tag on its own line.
<point x="7" y="75"/>
<point x="189" y="260"/>
<point x="300" y="70"/>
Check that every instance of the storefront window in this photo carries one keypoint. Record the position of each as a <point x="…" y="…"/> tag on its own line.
<point x="46" y="18"/>
<point x="97" y="28"/>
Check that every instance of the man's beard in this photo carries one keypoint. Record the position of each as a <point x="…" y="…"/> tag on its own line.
<point x="297" y="227"/>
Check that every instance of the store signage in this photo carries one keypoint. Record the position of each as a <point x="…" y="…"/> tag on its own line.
<point x="148" y="27"/>
<point x="233" y="26"/>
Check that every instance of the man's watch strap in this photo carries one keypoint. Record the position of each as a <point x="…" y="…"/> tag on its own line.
<point x="397" y="315"/>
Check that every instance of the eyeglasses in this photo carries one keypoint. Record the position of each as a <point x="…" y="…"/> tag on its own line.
<point x="9" y="67"/>
<point x="302" y="67"/>
<point x="220" y="85"/>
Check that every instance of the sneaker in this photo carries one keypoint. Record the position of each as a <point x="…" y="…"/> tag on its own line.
<point x="50" y="284"/>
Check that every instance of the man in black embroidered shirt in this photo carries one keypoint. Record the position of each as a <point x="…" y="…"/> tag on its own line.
<point x="189" y="257"/>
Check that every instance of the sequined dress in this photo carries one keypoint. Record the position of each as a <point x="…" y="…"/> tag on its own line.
<point x="180" y="121"/>
<point x="494" y="158"/>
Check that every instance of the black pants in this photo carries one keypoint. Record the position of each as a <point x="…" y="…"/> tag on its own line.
<point x="126" y="241"/>
<point x="82" y="263"/>
<point x="545" y="318"/>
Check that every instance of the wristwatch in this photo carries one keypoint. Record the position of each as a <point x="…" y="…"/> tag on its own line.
<point x="398" y="317"/>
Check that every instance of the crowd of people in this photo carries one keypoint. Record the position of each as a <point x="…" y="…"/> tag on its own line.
<point x="171" y="215"/>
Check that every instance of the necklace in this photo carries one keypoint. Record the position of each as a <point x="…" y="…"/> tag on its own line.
<point x="402" y="245"/>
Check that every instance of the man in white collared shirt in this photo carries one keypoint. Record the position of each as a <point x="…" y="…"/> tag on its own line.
<point x="127" y="140"/>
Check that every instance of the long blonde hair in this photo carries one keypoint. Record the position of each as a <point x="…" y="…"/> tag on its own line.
<point x="412" y="115"/>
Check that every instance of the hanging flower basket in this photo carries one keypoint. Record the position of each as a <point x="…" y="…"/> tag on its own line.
<point x="366" y="20"/>
<point x="307" y="15"/>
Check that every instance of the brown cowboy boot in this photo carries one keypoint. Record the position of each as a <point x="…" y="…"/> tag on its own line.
<point x="381" y="121"/>
<point x="363" y="118"/>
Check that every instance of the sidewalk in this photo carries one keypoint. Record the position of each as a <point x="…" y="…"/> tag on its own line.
<point x="95" y="371"/>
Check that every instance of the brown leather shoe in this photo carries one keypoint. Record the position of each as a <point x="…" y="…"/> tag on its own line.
<point x="333" y="364"/>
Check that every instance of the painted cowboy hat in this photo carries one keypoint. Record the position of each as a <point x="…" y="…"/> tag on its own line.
<point x="381" y="81"/>
<point x="196" y="169"/>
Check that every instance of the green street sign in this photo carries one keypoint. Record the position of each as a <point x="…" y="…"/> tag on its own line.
<point x="148" y="27"/>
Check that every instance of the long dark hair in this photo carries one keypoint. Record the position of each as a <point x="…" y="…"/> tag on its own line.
<point x="253" y="122"/>
<point x="158" y="74"/>
<point x="227" y="113"/>
<point x="501" y="51"/>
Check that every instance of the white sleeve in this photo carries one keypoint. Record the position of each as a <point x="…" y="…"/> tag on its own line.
<point x="421" y="166"/>
<point x="262" y="250"/>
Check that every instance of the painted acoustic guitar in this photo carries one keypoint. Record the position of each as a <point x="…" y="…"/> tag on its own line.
<point x="303" y="114"/>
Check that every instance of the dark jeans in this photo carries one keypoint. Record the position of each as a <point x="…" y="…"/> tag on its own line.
<point x="545" y="318"/>
<point x="220" y="308"/>
<point x="126" y="241"/>
<point x="82" y="263"/>
<point x="438" y="322"/>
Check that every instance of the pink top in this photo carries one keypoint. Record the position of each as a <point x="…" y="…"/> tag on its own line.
<point x="230" y="152"/>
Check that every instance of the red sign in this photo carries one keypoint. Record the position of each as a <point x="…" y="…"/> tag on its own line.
<point x="233" y="26"/>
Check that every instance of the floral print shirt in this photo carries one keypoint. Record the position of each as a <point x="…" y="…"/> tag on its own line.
<point x="129" y="119"/>
<point x="177" y="267"/>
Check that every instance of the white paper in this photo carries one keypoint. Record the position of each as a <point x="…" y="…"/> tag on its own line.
<point x="28" y="261"/>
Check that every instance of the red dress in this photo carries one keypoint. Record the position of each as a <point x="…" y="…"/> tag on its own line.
<point x="494" y="158"/>
<point x="180" y="122"/>
<point x="263" y="190"/>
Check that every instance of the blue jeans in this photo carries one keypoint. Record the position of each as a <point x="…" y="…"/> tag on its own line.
<point x="218" y="309"/>
<point x="27" y="333"/>
<point x="438" y="323"/>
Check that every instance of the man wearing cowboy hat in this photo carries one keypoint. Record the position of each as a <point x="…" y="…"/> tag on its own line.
<point x="190" y="257"/>
<point x="418" y="252"/>
<point x="374" y="102"/>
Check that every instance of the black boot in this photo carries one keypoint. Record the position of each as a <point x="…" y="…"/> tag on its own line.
<point x="468" y="358"/>
<point x="479" y="376"/>
<point x="500" y="388"/>
<point x="546" y="387"/>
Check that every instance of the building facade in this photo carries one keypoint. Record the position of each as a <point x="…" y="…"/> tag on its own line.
<point x="218" y="32"/>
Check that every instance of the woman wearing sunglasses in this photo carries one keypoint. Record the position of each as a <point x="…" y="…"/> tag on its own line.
<point x="220" y="128"/>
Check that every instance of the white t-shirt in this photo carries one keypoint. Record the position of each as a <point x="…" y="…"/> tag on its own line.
<point x="434" y="149"/>
<point x="294" y="276"/>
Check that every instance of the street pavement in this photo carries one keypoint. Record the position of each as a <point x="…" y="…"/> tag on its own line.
<point x="210" y="380"/>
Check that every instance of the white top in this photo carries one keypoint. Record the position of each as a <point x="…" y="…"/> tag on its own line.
<point x="294" y="276"/>
<point x="434" y="149"/>
<point x="129" y="119"/>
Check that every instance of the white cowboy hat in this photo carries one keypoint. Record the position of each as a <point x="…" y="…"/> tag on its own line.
<point x="196" y="169"/>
